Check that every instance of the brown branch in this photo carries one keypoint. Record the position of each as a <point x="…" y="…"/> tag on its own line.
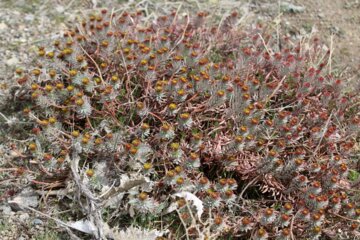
<point x="346" y="218"/>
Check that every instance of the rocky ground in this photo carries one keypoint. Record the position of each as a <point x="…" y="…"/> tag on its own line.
<point x="25" y="24"/>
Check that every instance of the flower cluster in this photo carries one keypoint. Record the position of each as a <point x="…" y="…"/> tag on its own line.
<point x="253" y="125"/>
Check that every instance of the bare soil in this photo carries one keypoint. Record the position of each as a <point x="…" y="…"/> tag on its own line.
<point x="335" y="21"/>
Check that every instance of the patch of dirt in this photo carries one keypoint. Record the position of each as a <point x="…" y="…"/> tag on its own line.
<point x="338" y="20"/>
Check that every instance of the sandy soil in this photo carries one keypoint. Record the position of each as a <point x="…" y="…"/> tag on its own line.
<point x="337" y="18"/>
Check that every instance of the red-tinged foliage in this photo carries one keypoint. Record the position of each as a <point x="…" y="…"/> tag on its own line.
<point x="187" y="105"/>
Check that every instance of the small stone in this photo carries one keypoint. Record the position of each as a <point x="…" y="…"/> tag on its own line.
<point x="60" y="9"/>
<point x="5" y="209"/>
<point x="291" y="8"/>
<point x="21" y="27"/>
<point x="37" y="221"/>
<point x="321" y="15"/>
<point x="29" y="17"/>
<point x="12" y="61"/>
<point x="26" y="198"/>
<point x="336" y="30"/>
<point x="3" y="26"/>
<point x="23" y="217"/>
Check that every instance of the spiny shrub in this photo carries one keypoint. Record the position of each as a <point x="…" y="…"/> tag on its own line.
<point x="252" y="125"/>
